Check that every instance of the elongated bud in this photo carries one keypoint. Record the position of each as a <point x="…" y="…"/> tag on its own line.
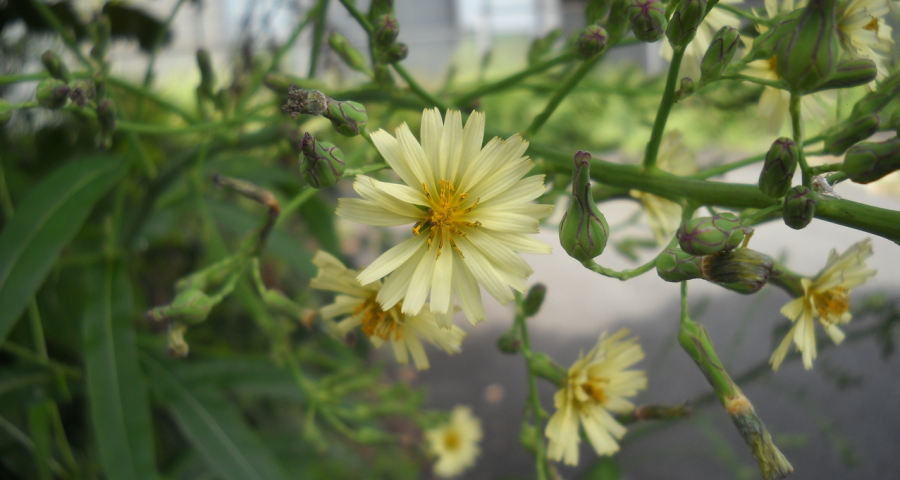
<point x="533" y="301"/>
<point x="648" y="19"/>
<point x="6" y="112"/>
<point x="386" y="29"/>
<point x="189" y="306"/>
<point x="101" y="32"/>
<point x="778" y="171"/>
<point x="676" y="265"/>
<point x="322" y="164"/>
<point x="348" y="54"/>
<point x="807" y="56"/>
<point x="583" y="231"/>
<point x="685" y="90"/>
<point x="52" y="93"/>
<point x="394" y="53"/>
<point x="305" y="102"/>
<point x="742" y="270"/>
<point x="595" y="10"/>
<point x="719" y="54"/>
<point x="851" y="73"/>
<point x="853" y="131"/>
<point x="510" y="342"/>
<point x="541" y="365"/>
<point x="347" y="117"/>
<point x="873" y="102"/>
<point x="207" y="74"/>
<point x="684" y="22"/>
<point x="592" y="41"/>
<point x="708" y="235"/>
<point x="55" y="66"/>
<point x="869" y="161"/>
<point x="799" y="207"/>
<point x="618" y="22"/>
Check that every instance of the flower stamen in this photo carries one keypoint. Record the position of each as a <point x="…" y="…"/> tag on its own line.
<point x="376" y="322"/>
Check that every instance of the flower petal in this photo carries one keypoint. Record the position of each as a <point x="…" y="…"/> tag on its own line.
<point x="403" y="193"/>
<point x="366" y="188"/>
<point x="467" y="292"/>
<point x="430" y="132"/>
<point x="522" y="243"/>
<point x="421" y="282"/>
<point x="419" y="164"/>
<point x="370" y="213"/>
<point x="391" y="260"/>
<point x="500" y="220"/>
<point x="451" y="145"/>
<point x="472" y="140"/>
<point x="397" y="283"/>
<point x="390" y="149"/>
<point x="484" y="271"/>
<point x="441" y="292"/>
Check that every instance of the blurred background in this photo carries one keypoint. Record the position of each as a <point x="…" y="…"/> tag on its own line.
<point x="838" y="420"/>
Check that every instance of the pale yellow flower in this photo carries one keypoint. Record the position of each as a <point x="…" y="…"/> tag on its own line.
<point x="826" y="298"/>
<point x="598" y="385"/>
<point x="470" y="214"/>
<point x="665" y="215"/>
<point x="455" y="443"/>
<point x="694" y="52"/>
<point x="863" y="31"/>
<point x="357" y="302"/>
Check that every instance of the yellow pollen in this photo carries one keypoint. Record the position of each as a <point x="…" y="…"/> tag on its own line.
<point x="445" y="214"/>
<point x="452" y="440"/>
<point x="834" y="301"/>
<point x="594" y="389"/>
<point x="873" y="25"/>
<point x="773" y="65"/>
<point x="376" y="322"/>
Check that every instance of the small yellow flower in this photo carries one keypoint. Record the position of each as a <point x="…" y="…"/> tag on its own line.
<point x="455" y="443"/>
<point x="826" y="298"/>
<point x="863" y="31"/>
<point x="598" y="385"/>
<point x="470" y="214"/>
<point x="358" y="302"/>
<point x="665" y="215"/>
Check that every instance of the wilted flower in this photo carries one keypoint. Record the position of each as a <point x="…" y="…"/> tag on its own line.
<point x="469" y="209"/>
<point x="455" y="443"/>
<point x="598" y="385"/>
<point x="357" y="302"/>
<point x="826" y="298"/>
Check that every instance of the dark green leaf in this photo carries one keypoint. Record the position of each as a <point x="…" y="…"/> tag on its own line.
<point x="318" y="214"/>
<point x="39" y="430"/>
<point x="214" y="427"/>
<point x="120" y="412"/>
<point x="46" y="221"/>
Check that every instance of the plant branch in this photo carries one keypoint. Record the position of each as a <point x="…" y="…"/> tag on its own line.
<point x="417" y="89"/>
<point x="797" y="130"/>
<point x="559" y="95"/>
<point x="533" y="397"/>
<point x="662" y="115"/>
<point x="482" y="90"/>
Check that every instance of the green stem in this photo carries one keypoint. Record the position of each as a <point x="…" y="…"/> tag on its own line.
<point x="623" y="274"/>
<point x="662" y="115"/>
<point x="295" y="203"/>
<point x="153" y="129"/>
<point x="797" y="130"/>
<point x="559" y="95"/>
<point x="741" y="13"/>
<point x="417" y="89"/>
<point x="837" y="178"/>
<point x="825" y="168"/>
<point x="147" y="94"/>
<point x="779" y="84"/>
<point x="318" y="34"/>
<point x="350" y="5"/>
<point x="533" y="397"/>
<point x="67" y="37"/>
<point x="22" y="77"/>
<point x="511" y="80"/>
<point x="148" y="75"/>
<point x="760" y="215"/>
<point x="367" y="169"/>
<point x="29" y="356"/>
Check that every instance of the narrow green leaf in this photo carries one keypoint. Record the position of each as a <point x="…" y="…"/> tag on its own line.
<point x="120" y="412"/>
<point x="39" y="428"/>
<point x="214" y="427"/>
<point x="46" y="221"/>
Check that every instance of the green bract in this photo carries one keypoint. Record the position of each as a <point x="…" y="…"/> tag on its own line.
<point x="719" y="54"/>
<point x="676" y="265"/>
<point x="591" y="41"/>
<point x="52" y="93"/>
<point x="684" y="22"/>
<point x="741" y="270"/>
<point x="853" y="131"/>
<point x="595" y="10"/>
<point x="708" y="235"/>
<point x="851" y="73"/>
<point x="764" y="45"/>
<point x="869" y="161"/>
<point x="322" y="164"/>
<point x="807" y="55"/>
<point x="347" y="117"/>
<point x="778" y="171"/>
<point x="799" y="207"/>
<point x="618" y="22"/>
<point x="873" y="102"/>
<point x="583" y="231"/>
<point x="394" y="53"/>
<point x="648" y="19"/>
<point x="386" y="29"/>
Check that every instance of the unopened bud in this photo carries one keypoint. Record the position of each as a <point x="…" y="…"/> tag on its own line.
<point x="618" y="22"/>
<point x="764" y="46"/>
<point x="322" y="164"/>
<point x="799" y="207"/>
<point x="305" y="102"/>
<point x="347" y="117"/>
<point x="55" y="66"/>
<point x="6" y="112"/>
<point x="348" y="54"/>
<point x="851" y="73"/>
<point x="583" y="231"/>
<point x="207" y="75"/>
<point x="676" y="265"/>
<point x="648" y="19"/>
<point x="853" y="131"/>
<point x="595" y="10"/>
<point x="742" y="270"/>
<point x="386" y="29"/>
<point x="873" y="102"/>
<point x="778" y="171"/>
<point x="394" y="53"/>
<point x="177" y="346"/>
<point x="708" y="235"/>
<point x="869" y="161"/>
<point x="686" y="90"/>
<point x="509" y="342"/>
<point x="52" y="93"/>
<point x="684" y="22"/>
<point x="806" y="57"/>
<point x="189" y="306"/>
<point x="718" y="56"/>
<point x="533" y="301"/>
<point x="591" y="42"/>
<point x="541" y="365"/>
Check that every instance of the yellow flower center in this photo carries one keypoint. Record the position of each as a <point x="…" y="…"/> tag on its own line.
<point x="594" y="388"/>
<point x="831" y="302"/>
<point x="445" y="212"/>
<point x="376" y="322"/>
<point x="452" y="441"/>
<point x="873" y="25"/>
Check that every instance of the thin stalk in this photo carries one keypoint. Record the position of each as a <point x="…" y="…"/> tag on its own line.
<point x="559" y="95"/>
<point x="295" y="203"/>
<point x="662" y="115"/>
<point x="350" y="5"/>
<point x="761" y="215"/>
<point x="29" y="356"/>
<point x="540" y="456"/>
<point x="825" y="168"/>
<point x="504" y="83"/>
<point x="154" y="129"/>
<point x="147" y="94"/>
<point x="797" y="130"/>
<point x="319" y="32"/>
<point x="148" y="75"/>
<point x="22" y="77"/>
<point x="67" y="37"/>
<point x="417" y="89"/>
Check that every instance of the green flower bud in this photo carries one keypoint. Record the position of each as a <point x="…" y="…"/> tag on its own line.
<point x="873" y="102"/>
<point x="533" y="301"/>
<point x="509" y="342"/>
<point x="742" y="270"/>
<point x="618" y="22"/>
<point x="851" y="73"/>
<point x="55" y="66"/>
<point x="381" y="7"/>
<point x="721" y="51"/>
<point x="684" y="22"/>
<point x="541" y="365"/>
<point x="807" y="55"/>
<point x="347" y="117"/>
<point x="348" y="54"/>
<point x="322" y="164"/>
<point x="386" y="29"/>
<point x="676" y="265"/>
<point x="708" y="235"/>
<point x="6" y="112"/>
<point x="799" y="207"/>
<point x="394" y="53"/>
<point x="869" y="161"/>
<point x="591" y="42"/>
<point x="764" y="46"/>
<point x="852" y="131"/>
<point x="52" y="93"/>
<point x="191" y="306"/>
<point x="595" y="10"/>
<point x="207" y="75"/>
<point x="686" y="90"/>
<point x="648" y="19"/>
<point x="778" y="171"/>
<point x="305" y="102"/>
<point x="583" y="231"/>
